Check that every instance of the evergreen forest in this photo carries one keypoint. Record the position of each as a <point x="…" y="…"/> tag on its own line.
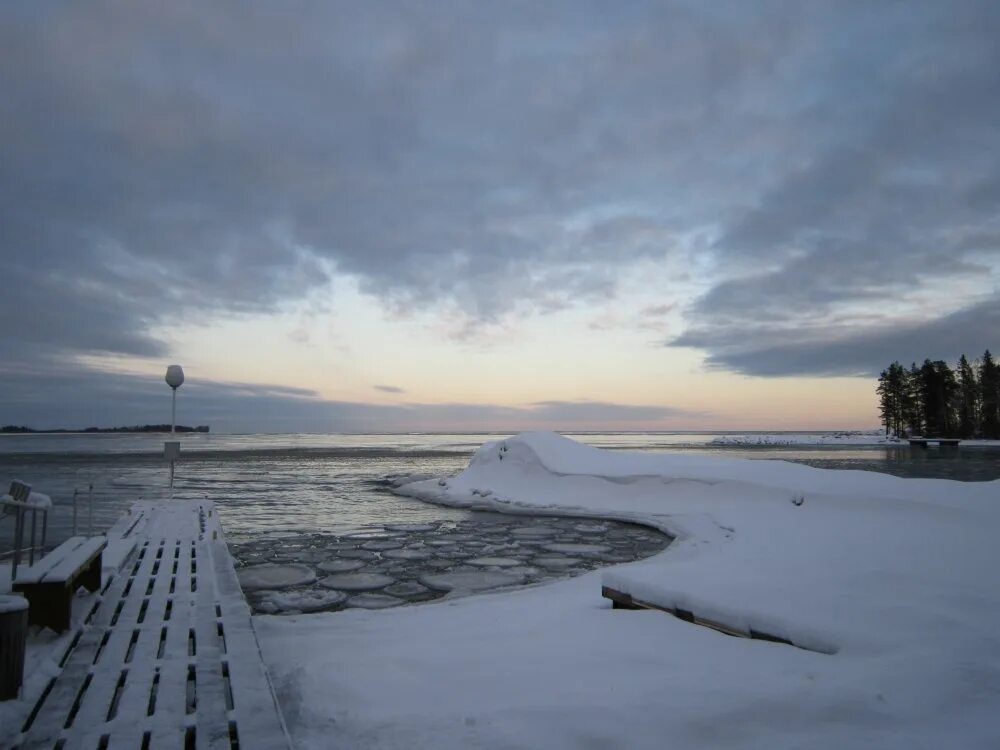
<point x="936" y="400"/>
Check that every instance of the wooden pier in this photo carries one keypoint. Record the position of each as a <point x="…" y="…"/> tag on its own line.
<point x="167" y="657"/>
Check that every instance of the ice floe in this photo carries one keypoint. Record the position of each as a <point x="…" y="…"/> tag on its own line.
<point x="271" y="576"/>
<point x="356" y="581"/>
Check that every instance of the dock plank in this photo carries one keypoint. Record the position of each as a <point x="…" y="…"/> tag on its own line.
<point x="126" y="682"/>
<point x="52" y="716"/>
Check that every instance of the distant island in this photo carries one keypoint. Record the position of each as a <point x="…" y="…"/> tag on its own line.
<point x="18" y="429"/>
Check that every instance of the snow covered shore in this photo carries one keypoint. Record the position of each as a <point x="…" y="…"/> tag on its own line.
<point x="832" y="439"/>
<point x="876" y="437"/>
<point x="896" y="577"/>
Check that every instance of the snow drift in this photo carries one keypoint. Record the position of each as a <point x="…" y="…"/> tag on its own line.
<point x="893" y="579"/>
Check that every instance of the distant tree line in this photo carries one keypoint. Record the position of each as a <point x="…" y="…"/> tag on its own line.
<point x="19" y="429"/>
<point x="934" y="400"/>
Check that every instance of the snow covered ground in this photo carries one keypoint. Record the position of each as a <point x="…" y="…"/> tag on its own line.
<point x="894" y="579"/>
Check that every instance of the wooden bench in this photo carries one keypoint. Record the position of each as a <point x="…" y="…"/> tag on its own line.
<point x="50" y="584"/>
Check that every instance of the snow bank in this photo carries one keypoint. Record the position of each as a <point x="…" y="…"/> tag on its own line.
<point x="894" y="579"/>
<point x="876" y="437"/>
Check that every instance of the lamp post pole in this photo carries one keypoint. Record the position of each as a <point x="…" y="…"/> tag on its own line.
<point x="172" y="449"/>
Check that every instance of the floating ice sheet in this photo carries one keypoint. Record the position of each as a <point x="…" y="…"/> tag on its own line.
<point x="271" y="576"/>
<point x="472" y="580"/>
<point x="301" y="601"/>
<point x="357" y="581"/>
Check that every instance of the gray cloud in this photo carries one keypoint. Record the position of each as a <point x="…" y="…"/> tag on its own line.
<point x="829" y="256"/>
<point x="81" y="397"/>
<point x="163" y="161"/>
<point x="389" y="389"/>
<point x="848" y="350"/>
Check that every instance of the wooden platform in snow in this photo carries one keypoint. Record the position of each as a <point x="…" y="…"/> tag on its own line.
<point x="624" y="600"/>
<point x="168" y="657"/>
<point x="942" y="442"/>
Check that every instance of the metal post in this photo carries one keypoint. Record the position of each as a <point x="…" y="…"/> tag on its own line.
<point x="31" y="550"/>
<point x="75" y="493"/>
<point x="18" y="533"/>
<point x="173" y="426"/>
<point x="90" y="510"/>
<point x="175" y="379"/>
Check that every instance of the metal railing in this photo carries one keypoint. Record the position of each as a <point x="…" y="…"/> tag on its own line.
<point x="18" y="506"/>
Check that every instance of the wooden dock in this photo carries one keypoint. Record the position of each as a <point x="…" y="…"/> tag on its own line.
<point x="168" y="657"/>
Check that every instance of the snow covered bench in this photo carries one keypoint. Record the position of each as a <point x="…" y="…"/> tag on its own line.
<point x="49" y="584"/>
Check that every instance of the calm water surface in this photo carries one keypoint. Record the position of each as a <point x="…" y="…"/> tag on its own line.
<point x="334" y="483"/>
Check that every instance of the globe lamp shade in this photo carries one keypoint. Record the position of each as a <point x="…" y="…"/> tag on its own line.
<point x="175" y="376"/>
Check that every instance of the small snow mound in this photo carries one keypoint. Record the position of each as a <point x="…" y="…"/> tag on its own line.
<point x="270" y="576"/>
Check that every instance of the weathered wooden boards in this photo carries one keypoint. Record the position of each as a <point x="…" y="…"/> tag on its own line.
<point x="169" y="658"/>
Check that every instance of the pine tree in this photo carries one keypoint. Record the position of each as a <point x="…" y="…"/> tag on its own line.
<point x="898" y="387"/>
<point x="938" y="389"/>
<point x="989" y="397"/>
<point x="968" y="400"/>
<point x="911" y="402"/>
<point x="884" y="401"/>
<point x="893" y="389"/>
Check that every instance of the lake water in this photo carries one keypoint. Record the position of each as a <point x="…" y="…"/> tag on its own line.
<point x="289" y="484"/>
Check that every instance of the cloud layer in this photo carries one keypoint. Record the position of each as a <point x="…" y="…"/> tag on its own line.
<point x="83" y="397"/>
<point x="166" y="161"/>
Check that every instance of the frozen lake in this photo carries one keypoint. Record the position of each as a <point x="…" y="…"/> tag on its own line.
<point x="333" y="484"/>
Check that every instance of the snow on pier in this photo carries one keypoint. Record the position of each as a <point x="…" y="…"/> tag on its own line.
<point x="168" y="657"/>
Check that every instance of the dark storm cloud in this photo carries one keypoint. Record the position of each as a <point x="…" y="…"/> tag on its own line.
<point x="166" y="161"/>
<point x="903" y="206"/>
<point x="848" y="350"/>
<point x="83" y="397"/>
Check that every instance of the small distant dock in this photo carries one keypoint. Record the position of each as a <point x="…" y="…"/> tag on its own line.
<point x="167" y="657"/>
<point x="942" y="442"/>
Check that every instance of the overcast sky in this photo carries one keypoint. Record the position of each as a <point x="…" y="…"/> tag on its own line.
<point x="470" y="215"/>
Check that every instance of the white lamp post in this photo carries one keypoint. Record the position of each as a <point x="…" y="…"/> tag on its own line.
<point x="175" y="379"/>
<point x="172" y="449"/>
